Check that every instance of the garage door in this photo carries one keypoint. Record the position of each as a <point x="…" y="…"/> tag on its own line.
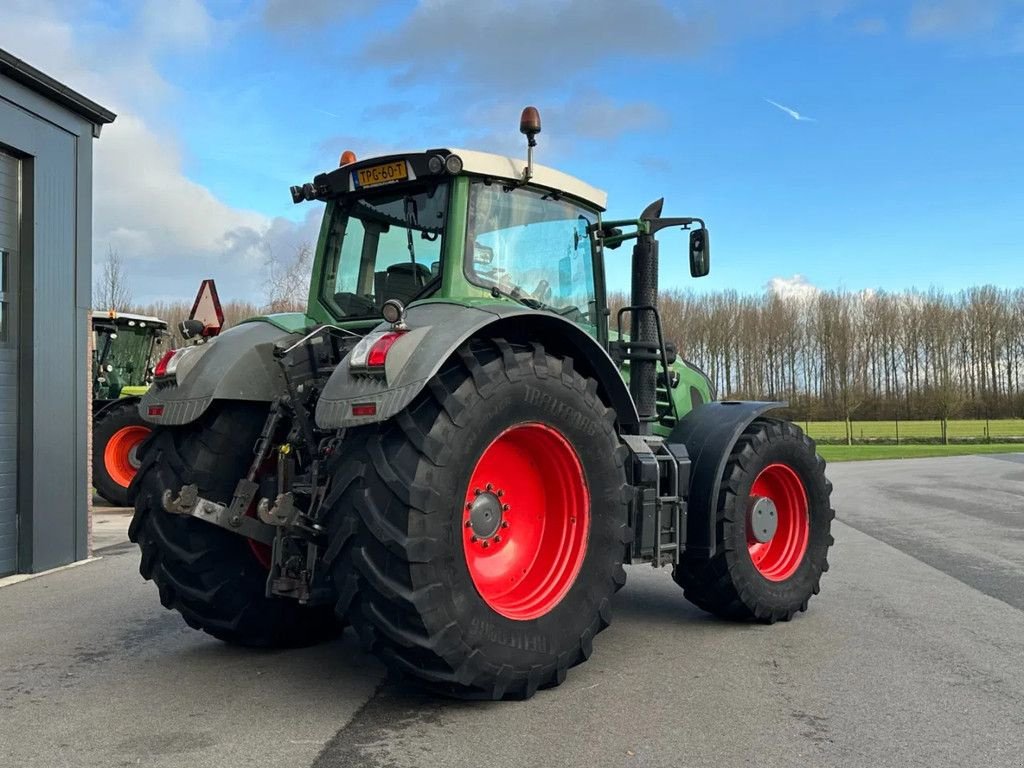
<point x="10" y="190"/>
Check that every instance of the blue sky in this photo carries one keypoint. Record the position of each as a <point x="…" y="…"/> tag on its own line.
<point x="908" y="176"/>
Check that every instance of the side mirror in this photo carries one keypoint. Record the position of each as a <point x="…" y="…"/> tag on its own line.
<point x="582" y="233"/>
<point x="482" y="254"/>
<point x="700" y="253"/>
<point x="191" y="328"/>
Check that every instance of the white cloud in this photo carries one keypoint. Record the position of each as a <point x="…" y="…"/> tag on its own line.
<point x="141" y="194"/>
<point x="518" y="46"/>
<point x="506" y="46"/>
<point x="795" y="288"/>
<point x="170" y="230"/>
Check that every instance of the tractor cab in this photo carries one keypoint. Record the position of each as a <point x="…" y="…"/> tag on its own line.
<point x="123" y="347"/>
<point x="453" y="224"/>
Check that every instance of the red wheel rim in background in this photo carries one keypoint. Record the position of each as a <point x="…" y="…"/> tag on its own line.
<point x="526" y="567"/>
<point x="119" y="454"/>
<point x="778" y="558"/>
<point x="263" y="553"/>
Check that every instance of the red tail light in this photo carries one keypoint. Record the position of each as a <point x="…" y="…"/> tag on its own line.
<point x="370" y="354"/>
<point x="379" y="351"/>
<point x="161" y="367"/>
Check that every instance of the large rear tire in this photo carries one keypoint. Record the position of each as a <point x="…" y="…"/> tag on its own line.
<point x="117" y="432"/>
<point x="214" y="578"/>
<point x="772" y="529"/>
<point x="492" y="523"/>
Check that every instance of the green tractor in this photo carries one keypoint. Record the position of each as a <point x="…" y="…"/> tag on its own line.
<point x="123" y="350"/>
<point x="458" y="446"/>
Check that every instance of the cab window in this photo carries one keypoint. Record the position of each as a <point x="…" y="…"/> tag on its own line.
<point x="532" y="245"/>
<point x="384" y="246"/>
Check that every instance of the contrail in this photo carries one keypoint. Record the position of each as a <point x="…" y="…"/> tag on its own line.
<point x="792" y="112"/>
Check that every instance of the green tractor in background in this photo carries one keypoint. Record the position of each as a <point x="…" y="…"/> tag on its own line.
<point x="123" y="351"/>
<point x="457" y="447"/>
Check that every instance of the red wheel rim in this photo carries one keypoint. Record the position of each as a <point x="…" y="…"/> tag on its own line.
<point x="262" y="552"/>
<point x="119" y="454"/>
<point x="526" y="520"/>
<point x="778" y="558"/>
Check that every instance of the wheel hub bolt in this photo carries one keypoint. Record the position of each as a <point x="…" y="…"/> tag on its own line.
<point x="497" y="539"/>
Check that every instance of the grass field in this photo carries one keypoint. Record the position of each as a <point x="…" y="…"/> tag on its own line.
<point x="867" y="452"/>
<point x="959" y="429"/>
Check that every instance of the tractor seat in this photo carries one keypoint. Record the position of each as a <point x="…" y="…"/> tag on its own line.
<point x="400" y="281"/>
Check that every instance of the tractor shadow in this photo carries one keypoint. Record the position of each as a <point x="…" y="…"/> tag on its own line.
<point x="651" y="597"/>
<point x="650" y="609"/>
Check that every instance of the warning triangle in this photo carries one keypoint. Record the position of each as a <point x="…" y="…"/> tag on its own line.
<point x="206" y="309"/>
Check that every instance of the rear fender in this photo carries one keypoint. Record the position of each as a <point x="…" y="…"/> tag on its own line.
<point x="709" y="433"/>
<point x="437" y="330"/>
<point x="237" y="365"/>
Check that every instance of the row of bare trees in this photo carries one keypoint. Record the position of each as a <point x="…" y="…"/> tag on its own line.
<point x="831" y="354"/>
<point x="869" y="355"/>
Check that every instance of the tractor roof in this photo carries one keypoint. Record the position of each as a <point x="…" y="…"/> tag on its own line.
<point x="125" y="318"/>
<point x="340" y="180"/>
<point x="503" y="167"/>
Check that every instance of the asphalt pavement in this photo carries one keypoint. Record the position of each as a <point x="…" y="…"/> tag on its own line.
<point x="912" y="655"/>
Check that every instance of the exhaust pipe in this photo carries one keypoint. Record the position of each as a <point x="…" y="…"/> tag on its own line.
<point x="643" y="373"/>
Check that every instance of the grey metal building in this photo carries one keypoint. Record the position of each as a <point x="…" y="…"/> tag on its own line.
<point x="46" y="135"/>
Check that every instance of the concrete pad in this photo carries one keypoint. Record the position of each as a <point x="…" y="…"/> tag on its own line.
<point x="911" y="656"/>
<point x="97" y="673"/>
<point x="109" y="527"/>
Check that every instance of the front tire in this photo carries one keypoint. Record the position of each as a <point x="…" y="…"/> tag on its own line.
<point x="117" y="432"/>
<point x="492" y="523"/>
<point x="772" y="529"/>
<point x="214" y="578"/>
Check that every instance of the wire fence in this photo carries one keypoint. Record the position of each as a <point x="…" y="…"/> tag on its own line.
<point x="896" y="432"/>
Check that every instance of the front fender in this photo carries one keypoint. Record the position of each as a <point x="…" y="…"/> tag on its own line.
<point x="437" y="330"/>
<point x="237" y="365"/>
<point x="709" y="433"/>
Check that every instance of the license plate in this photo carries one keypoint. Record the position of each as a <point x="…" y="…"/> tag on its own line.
<point x="388" y="173"/>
